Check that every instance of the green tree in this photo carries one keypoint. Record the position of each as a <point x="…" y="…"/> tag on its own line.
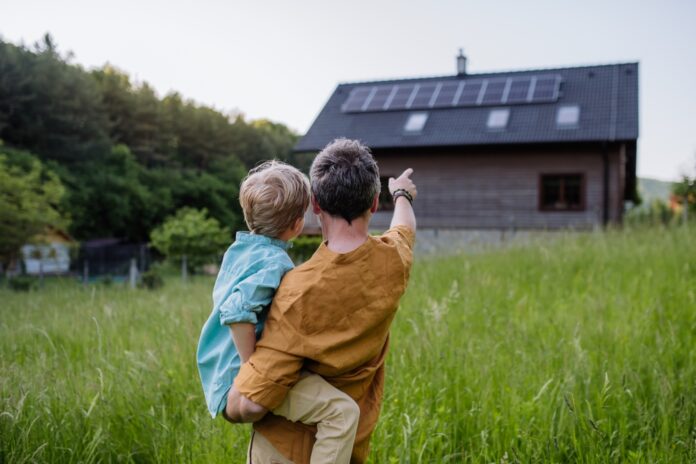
<point x="191" y="236"/>
<point x="685" y="189"/>
<point x="29" y="202"/>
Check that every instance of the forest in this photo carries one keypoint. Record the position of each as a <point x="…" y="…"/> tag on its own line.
<point x="121" y="157"/>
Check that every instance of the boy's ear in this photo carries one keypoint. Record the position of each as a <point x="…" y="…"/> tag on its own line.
<point x="297" y="227"/>
<point x="375" y="204"/>
<point x="315" y="205"/>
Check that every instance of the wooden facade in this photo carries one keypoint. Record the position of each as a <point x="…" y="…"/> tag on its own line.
<point x="500" y="189"/>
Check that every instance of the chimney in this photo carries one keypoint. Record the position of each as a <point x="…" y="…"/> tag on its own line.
<point x="461" y="63"/>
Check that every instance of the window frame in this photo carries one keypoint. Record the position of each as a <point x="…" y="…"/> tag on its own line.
<point x="416" y="116"/>
<point x="498" y="111"/>
<point x="583" y="192"/>
<point x="568" y="125"/>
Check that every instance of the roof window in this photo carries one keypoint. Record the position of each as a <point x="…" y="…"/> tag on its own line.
<point x="415" y="122"/>
<point x="568" y="116"/>
<point x="498" y="118"/>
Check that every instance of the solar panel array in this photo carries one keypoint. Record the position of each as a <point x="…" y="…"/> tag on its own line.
<point x="454" y="93"/>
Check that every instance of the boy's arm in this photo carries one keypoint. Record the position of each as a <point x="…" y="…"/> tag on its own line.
<point x="403" y="210"/>
<point x="244" y="337"/>
<point x="248" y="297"/>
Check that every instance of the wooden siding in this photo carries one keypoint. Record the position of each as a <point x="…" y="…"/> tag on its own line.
<point x="485" y="190"/>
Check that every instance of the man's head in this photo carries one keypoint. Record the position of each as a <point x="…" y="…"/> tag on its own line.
<point x="345" y="179"/>
<point x="274" y="196"/>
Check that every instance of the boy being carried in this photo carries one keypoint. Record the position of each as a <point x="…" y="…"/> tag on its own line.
<point x="274" y="197"/>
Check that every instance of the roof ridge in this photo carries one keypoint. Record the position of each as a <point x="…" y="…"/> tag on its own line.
<point x="489" y="73"/>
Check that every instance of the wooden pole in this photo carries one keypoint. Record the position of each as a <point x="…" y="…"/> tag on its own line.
<point x="133" y="273"/>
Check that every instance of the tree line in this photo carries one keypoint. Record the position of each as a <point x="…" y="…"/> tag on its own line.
<point x="124" y="157"/>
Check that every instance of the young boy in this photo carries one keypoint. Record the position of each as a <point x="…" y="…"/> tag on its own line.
<point x="274" y="197"/>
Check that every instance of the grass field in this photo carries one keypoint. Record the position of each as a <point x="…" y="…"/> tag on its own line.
<point x="578" y="350"/>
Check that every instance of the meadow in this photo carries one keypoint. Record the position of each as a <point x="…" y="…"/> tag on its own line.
<point x="578" y="349"/>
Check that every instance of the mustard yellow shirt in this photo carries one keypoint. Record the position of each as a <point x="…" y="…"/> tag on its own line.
<point x="330" y="316"/>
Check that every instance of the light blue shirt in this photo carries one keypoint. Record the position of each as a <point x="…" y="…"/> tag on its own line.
<point x="249" y="275"/>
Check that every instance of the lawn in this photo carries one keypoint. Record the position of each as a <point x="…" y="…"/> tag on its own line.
<point x="578" y="349"/>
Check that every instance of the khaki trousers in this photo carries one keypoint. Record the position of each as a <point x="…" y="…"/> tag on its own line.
<point x="314" y="401"/>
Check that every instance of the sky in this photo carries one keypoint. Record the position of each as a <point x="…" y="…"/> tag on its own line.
<point x="281" y="60"/>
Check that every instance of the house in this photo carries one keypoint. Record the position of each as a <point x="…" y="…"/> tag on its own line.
<point x="520" y="150"/>
<point x="48" y="253"/>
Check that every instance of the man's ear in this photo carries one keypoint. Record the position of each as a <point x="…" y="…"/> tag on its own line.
<point x="375" y="204"/>
<point x="315" y="205"/>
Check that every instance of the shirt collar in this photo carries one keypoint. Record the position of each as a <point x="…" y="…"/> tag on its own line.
<point x="246" y="237"/>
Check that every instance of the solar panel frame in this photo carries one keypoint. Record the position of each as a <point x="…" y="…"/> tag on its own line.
<point x="472" y="92"/>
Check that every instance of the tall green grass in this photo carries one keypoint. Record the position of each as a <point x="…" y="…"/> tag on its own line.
<point x="577" y="350"/>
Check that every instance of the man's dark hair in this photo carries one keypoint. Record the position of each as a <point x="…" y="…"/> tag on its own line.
<point x="345" y="179"/>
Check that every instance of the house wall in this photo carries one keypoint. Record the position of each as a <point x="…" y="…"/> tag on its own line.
<point x="500" y="190"/>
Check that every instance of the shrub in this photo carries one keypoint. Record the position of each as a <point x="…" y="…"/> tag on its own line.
<point x="23" y="283"/>
<point x="151" y="280"/>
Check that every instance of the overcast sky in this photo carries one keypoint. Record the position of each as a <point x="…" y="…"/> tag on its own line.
<point x="282" y="59"/>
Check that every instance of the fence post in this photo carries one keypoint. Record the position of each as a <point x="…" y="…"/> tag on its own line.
<point x="133" y="273"/>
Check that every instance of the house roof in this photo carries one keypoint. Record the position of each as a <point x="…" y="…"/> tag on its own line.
<point x="607" y="96"/>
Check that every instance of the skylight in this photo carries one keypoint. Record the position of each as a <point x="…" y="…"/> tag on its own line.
<point x="415" y="122"/>
<point x="498" y="118"/>
<point x="568" y="116"/>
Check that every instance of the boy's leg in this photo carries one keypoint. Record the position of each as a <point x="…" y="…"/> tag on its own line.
<point x="261" y="451"/>
<point x="314" y="401"/>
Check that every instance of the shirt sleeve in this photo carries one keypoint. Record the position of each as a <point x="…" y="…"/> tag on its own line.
<point x="403" y="238"/>
<point x="274" y="367"/>
<point x="249" y="296"/>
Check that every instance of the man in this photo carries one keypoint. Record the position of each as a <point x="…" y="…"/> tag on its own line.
<point x="331" y="316"/>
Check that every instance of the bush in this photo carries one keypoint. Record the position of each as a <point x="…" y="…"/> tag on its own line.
<point x="304" y="247"/>
<point x="23" y="283"/>
<point x="151" y="280"/>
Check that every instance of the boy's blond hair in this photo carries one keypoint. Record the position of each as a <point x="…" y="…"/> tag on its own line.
<point x="273" y="196"/>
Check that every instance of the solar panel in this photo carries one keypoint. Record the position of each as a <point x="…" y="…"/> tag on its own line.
<point x="401" y="97"/>
<point x="356" y="99"/>
<point x="424" y="95"/>
<point x="518" y="91"/>
<point x="379" y="98"/>
<point x="494" y="92"/>
<point x="454" y="93"/>
<point x="448" y="91"/>
<point x="470" y="93"/>
<point x="546" y="89"/>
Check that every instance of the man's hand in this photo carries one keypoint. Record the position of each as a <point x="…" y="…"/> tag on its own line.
<point x="241" y="409"/>
<point x="403" y="182"/>
<point x="403" y="211"/>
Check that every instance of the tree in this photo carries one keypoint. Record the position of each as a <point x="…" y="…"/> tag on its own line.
<point x="685" y="191"/>
<point x="192" y="236"/>
<point x="29" y="200"/>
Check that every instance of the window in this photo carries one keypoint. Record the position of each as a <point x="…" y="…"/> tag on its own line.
<point x="498" y="118"/>
<point x="568" y="116"/>
<point x="386" y="202"/>
<point x="562" y="192"/>
<point x="415" y="122"/>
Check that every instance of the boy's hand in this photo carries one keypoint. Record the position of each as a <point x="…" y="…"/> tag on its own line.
<point x="239" y="409"/>
<point x="403" y="182"/>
